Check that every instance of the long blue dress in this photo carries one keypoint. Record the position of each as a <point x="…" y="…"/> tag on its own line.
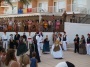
<point x="46" y="47"/>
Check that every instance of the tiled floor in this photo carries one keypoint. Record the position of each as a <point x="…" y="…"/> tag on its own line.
<point x="77" y="59"/>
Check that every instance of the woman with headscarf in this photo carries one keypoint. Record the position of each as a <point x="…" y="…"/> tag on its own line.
<point x="65" y="64"/>
<point x="82" y="46"/>
<point x="56" y="50"/>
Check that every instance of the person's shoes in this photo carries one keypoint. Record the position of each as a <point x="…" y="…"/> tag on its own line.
<point x="61" y="58"/>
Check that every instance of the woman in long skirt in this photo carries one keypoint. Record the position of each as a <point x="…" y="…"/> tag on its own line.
<point x="56" y="50"/>
<point x="22" y="47"/>
<point x="11" y="42"/>
<point x="82" y="47"/>
<point x="46" y="48"/>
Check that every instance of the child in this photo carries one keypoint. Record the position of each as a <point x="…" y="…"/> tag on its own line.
<point x="33" y="60"/>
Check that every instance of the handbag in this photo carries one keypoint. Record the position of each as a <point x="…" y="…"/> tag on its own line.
<point x="56" y="48"/>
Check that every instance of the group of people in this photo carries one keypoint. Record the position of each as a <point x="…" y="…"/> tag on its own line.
<point x="37" y="43"/>
<point x="9" y="59"/>
<point x="82" y="46"/>
<point x="30" y="25"/>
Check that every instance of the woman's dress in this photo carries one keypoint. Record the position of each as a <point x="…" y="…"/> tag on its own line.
<point x="58" y="53"/>
<point x="82" y="47"/>
<point x="46" y="48"/>
<point x="22" y="48"/>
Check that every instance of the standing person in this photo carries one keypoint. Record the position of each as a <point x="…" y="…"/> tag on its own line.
<point x="76" y="43"/>
<point x="88" y="44"/>
<point x="41" y="39"/>
<point x="25" y="37"/>
<point x="64" y="16"/>
<point x="30" y="40"/>
<point x="46" y="48"/>
<point x="22" y="48"/>
<point x="57" y="25"/>
<point x="45" y="25"/>
<point x="82" y="46"/>
<point x="10" y="24"/>
<point x="16" y="38"/>
<point x="56" y="50"/>
<point x="29" y="25"/>
<point x="54" y="37"/>
<point x="33" y="60"/>
<point x="38" y="43"/>
<point x="11" y="42"/>
<point x="60" y="39"/>
<point x="73" y="17"/>
<point x="34" y="48"/>
<point x="64" y="41"/>
<point x="5" y="40"/>
<point x="49" y="26"/>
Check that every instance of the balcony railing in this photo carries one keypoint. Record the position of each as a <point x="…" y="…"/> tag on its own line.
<point x="52" y="9"/>
<point x="79" y="8"/>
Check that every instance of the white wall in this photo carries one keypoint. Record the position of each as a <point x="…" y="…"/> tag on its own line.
<point x="71" y="29"/>
<point x="76" y="28"/>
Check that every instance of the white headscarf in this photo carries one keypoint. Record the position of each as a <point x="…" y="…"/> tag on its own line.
<point x="61" y="64"/>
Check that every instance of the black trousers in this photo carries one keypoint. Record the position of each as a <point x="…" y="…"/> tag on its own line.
<point x="76" y="49"/>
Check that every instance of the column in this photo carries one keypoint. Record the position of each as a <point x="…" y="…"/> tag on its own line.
<point x="1" y="9"/>
<point x="34" y="5"/>
<point x="69" y="5"/>
<point x="50" y="6"/>
<point x="20" y="5"/>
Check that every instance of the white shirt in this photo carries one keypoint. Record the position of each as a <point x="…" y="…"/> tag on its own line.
<point x="10" y="23"/>
<point x="4" y="36"/>
<point x="30" y="39"/>
<point x="41" y="38"/>
<point x="37" y="38"/>
<point x="61" y="64"/>
<point x="11" y="37"/>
